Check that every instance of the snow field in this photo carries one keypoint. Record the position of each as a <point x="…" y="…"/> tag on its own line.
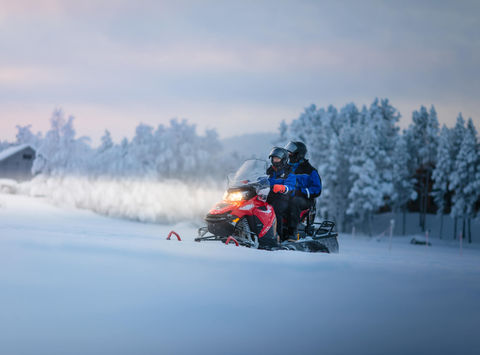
<point x="74" y="282"/>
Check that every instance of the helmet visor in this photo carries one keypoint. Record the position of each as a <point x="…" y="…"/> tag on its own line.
<point x="278" y="152"/>
<point x="291" y="147"/>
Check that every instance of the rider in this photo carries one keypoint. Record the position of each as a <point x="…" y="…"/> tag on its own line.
<point x="282" y="185"/>
<point x="308" y="185"/>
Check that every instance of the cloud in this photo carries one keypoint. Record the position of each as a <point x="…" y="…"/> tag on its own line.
<point x="221" y="62"/>
<point x="21" y="76"/>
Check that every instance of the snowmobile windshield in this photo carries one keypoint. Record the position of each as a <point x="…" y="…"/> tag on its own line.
<point x="252" y="172"/>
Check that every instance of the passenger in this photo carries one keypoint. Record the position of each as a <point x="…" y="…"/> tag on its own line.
<point x="308" y="186"/>
<point x="282" y="186"/>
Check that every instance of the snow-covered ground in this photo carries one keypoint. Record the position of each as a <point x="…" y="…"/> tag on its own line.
<point x="73" y="282"/>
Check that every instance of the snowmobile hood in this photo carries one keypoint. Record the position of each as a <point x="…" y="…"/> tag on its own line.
<point x="223" y="207"/>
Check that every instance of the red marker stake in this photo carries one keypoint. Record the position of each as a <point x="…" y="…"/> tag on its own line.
<point x="175" y="234"/>
<point x="230" y="239"/>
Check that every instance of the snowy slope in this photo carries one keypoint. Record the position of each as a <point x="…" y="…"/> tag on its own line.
<point x="73" y="282"/>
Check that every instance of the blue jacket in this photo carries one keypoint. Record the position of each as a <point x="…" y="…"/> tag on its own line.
<point x="282" y="177"/>
<point x="309" y="184"/>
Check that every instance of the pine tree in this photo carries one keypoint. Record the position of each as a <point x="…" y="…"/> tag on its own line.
<point x="106" y="141"/>
<point x="283" y="134"/>
<point x="25" y="136"/>
<point x="368" y="190"/>
<point x="422" y="140"/>
<point x="384" y="118"/>
<point x="403" y="181"/>
<point x="464" y="177"/>
<point x="335" y="169"/>
<point x="103" y="159"/>
<point x="442" y="172"/>
<point x="314" y="128"/>
<point x="60" y="153"/>
<point x="141" y="151"/>
<point x="458" y="134"/>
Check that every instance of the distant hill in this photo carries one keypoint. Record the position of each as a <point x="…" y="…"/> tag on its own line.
<point x="249" y="145"/>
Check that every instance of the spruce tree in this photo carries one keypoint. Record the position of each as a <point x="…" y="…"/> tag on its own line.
<point x="442" y="172"/>
<point x="464" y="180"/>
<point x="403" y="180"/>
<point x="422" y="140"/>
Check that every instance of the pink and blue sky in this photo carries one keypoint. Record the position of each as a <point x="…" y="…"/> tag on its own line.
<point x="237" y="66"/>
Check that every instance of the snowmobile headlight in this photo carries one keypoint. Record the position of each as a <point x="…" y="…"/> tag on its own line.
<point x="235" y="196"/>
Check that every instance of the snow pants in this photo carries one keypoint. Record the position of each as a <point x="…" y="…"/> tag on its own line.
<point x="296" y="206"/>
<point x="280" y="205"/>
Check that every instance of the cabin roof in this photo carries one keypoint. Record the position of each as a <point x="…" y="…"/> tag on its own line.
<point x="6" y="153"/>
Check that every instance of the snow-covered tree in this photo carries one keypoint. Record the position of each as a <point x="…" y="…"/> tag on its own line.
<point x="106" y="142"/>
<point x="174" y="151"/>
<point x="103" y="160"/>
<point x="179" y="152"/>
<point x="4" y="145"/>
<point x="368" y="189"/>
<point x="26" y="136"/>
<point x="283" y="134"/>
<point x="424" y="134"/>
<point x="122" y="166"/>
<point x="403" y="181"/>
<point x="442" y="172"/>
<point x="333" y="137"/>
<point x="457" y="136"/>
<point x="60" y="152"/>
<point x="142" y="151"/>
<point x="314" y="128"/>
<point x="335" y="169"/>
<point x="422" y="142"/>
<point x="365" y="164"/>
<point x="464" y="178"/>
<point x="384" y="119"/>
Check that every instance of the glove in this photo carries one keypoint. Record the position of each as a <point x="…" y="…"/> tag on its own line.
<point x="279" y="188"/>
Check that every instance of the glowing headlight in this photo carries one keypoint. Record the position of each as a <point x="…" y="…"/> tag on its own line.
<point x="235" y="196"/>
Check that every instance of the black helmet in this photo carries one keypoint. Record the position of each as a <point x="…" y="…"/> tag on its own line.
<point x="296" y="150"/>
<point x="279" y="153"/>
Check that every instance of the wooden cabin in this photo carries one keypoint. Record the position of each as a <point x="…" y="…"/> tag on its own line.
<point x="16" y="162"/>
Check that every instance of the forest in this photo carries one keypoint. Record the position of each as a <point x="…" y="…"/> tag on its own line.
<point x="368" y="165"/>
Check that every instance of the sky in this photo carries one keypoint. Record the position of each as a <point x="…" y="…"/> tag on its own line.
<point x="236" y="66"/>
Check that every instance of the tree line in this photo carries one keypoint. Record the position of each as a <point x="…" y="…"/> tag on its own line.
<point x="173" y="151"/>
<point x="368" y="165"/>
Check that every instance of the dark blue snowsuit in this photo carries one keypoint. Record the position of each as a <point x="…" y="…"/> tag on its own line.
<point x="308" y="187"/>
<point x="281" y="201"/>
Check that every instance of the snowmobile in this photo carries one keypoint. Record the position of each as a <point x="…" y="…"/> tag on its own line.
<point x="245" y="217"/>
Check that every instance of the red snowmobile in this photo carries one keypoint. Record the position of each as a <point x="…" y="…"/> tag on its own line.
<point x="245" y="218"/>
